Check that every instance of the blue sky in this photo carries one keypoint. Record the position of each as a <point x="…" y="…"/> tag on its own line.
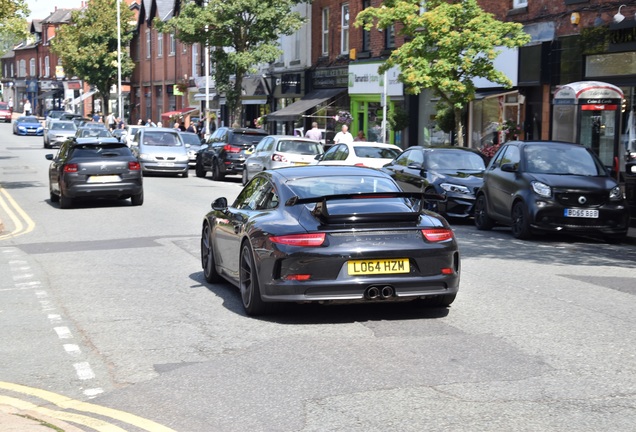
<point x="40" y="9"/>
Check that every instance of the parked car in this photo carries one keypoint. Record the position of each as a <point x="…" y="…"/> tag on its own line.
<point x="277" y="151"/>
<point x="92" y="124"/>
<point x="193" y="144"/>
<point x="57" y="132"/>
<point x="130" y="131"/>
<point x="454" y="172"/>
<point x="5" y="113"/>
<point x="27" y="125"/>
<point x="360" y="153"/>
<point x="94" y="168"/>
<point x="328" y="234"/>
<point x="225" y="151"/>
<point x="551" y="187"/>
<point x="160" y="150"/>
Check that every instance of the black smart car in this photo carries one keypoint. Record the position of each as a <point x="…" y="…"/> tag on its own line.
<point x="546" y="186"/>
<point x="225" y="151"/>
<point x="94" y="168"/>
<point x="456" y="173"/>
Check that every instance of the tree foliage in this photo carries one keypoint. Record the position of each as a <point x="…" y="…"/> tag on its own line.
<point x="13" y="23"/>
<point x="88" y="46"/>
<point x="240" y="33"/>
<point x="13" y="8"/>
<point x="447" y="46"/>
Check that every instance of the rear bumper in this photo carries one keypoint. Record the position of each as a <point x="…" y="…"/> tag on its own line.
<point x="107" y="190"/>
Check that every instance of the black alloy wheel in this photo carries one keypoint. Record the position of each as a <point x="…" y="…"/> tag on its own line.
<point x="520" y="221"/>
<point x="207" y="256"/>
<point x="138" y="199"/>
<point x="199" y="170"/>
<point x="65" y="202"/>
<point x="483" y="222"/>
<point x="248" y="283"/>
<point x="216" y="171"/>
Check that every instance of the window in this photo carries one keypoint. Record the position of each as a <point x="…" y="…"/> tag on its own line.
<point x="325" y="31"/>
<point x="344" y="24"/>
<point x="159" y="44"/>
<point x="519" y="3"/>
<point x="47" y="66"/>
<point x="366" y="35"/>
<point x="389" y="37"/>
<point x="173" y="44"/>
<point x="22" y="68"/>
<point x="148" y="44"/>
<point x="32" y="67"/>
<point x="296" y="46"/>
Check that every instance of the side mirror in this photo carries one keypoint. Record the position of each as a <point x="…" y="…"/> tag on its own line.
<point x="219" y="204"/>
<point x="509" y="167"/>
<point x="318" y="157"/>
<point x="416" y="166"/>
<point x="49" y="156"/>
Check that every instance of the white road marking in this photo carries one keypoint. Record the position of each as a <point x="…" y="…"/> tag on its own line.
<point x="72" y="349"/>
<point x="63" y="332"/>
<point x="84" y="371"/>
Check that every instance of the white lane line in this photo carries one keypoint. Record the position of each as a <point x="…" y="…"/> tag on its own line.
<point x="41" y="294"/>
<point x="91" y="393"/>
<point x="54" y="318"/>
<point x="84" y="371"/>
<point x="72" y="349"/>
<point x="25" y="285"/>
<point x="63" y="332"/>
<point x="22" y="276"/>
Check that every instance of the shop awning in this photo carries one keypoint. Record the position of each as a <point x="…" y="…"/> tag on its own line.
<point x="83" y="97"/>
<point x="201" y="96"/>
<point x="181" y="112"/>
<point x="310" y="100"/>
<point x="49" y="94"/>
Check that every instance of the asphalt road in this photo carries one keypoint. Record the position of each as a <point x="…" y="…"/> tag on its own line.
<point x="105" y="304"/>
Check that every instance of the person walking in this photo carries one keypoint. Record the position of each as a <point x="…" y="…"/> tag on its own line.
<point x="27" y="107"/>
<point x="314" y="133"/>
<point x="11" y="104"/>
<point x="343" y="136"/>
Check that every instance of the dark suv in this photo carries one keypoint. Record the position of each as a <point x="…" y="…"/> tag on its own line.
<point x="226" y="150"/>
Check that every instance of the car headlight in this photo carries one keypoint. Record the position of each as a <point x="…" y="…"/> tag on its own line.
<point x="616" y="194"/>
<point x="22" y="127"/>
<point x="449" y="187"/>
<point x="146" y="157"/>
<point x="541" y="189"/>
<point x="182" y="158"/>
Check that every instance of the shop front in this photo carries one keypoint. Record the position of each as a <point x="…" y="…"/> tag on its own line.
<point x="372" y="98"/>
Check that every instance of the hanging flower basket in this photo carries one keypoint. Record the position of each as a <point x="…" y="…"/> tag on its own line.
<point x="343" y="117"/>
<point x="259" y="122"/>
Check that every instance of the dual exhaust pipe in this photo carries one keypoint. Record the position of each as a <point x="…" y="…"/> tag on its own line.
<point x="379" y="293"/>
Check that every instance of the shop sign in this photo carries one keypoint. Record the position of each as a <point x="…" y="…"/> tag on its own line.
<point x="330" y="78"/>
<point x="364" y="78"/>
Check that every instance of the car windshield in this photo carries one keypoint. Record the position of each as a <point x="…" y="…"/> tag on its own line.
<point x="454" y="160"/>
<point x="192" y="139"/>
<point x="93" y="132"/>
<point x="169" y="139"/>
<point x="562" y="160"/>
<point x="98" y="151"/>
<point x="299" y="147"/>
<point x="29" y="119"/>
<point x="311" y="187"/>
<point x="4" y="106"/>
<point x="245" y="139"/>
<point x="376" y="152"/>
<point x="63" y="126"/>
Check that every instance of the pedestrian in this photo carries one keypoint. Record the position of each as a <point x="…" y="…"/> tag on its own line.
<point x="150" y="123"/>
<point x="314" y="133"/>
<point x="11" y="104"/>
<point x="111" y="122"/>
<point x="343" y="136"/>
<point x="192" y="128"/>
<point x="27" y="107"/>
<point x="140" y="122"/>
<point x="361" y="136"/>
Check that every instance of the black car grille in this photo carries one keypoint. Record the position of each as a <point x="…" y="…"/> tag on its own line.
<point x="169" y="158"/>
<point x="574" y="199"/>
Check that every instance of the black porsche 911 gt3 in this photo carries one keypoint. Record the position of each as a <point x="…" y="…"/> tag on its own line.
<point x="329" y="234"/>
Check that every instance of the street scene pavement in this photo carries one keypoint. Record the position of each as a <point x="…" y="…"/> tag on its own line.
<point x="110" y="325"/>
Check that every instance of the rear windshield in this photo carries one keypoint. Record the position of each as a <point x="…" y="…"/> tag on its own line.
<point x="167" y="139"/>
<point x="299" y="147"/>
<point x="93" y="132"/>
<point x="376" y="152"/>
<point x="563" y="160"/>
<point x="192" y="139"/>
<point x="245" y="139"/>
<point x="97" y="151"/>
<point x="311" y="187"/>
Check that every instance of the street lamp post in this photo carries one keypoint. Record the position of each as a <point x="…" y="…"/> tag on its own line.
<point x="119" y="95"/>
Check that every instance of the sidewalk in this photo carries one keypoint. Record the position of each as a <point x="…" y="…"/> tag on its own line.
<point x="14" y="420"/>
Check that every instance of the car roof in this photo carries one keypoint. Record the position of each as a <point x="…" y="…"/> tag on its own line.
<point x="325" y="170"/>
<point x="187" y="133"/>
<point x="291" y="138"/>
<point x="96" y="141"/>
<point x="371" y="143"/>
<point x="248" y="131"/>
<point x="161" y="129"/>
<point x="55" y="121"/>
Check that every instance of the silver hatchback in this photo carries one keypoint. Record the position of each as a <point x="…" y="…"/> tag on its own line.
<point x="160" y="150"/>
<point x="57" y="132"/>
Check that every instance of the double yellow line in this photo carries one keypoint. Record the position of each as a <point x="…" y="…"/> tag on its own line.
<point x="22" y="223"/>
<point x="75" y="405"/>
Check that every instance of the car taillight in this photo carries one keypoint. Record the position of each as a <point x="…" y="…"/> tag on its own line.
<point x="359" y="164"/>
<point x="310" y="240"/>
<point x="134" y="166"/>
<point x="297" y="277"/>
<point x="437" y="234"/>
<point x="70" y="168"/>
<point x="231" y="149"/>
<point x="278" y="158"/>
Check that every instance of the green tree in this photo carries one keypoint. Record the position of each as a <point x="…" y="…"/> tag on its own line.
<point x="447" y="45"/>
<point x="88" y="45"/>
<point x="240" y="33"/>
<point x="13" y="8"/>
